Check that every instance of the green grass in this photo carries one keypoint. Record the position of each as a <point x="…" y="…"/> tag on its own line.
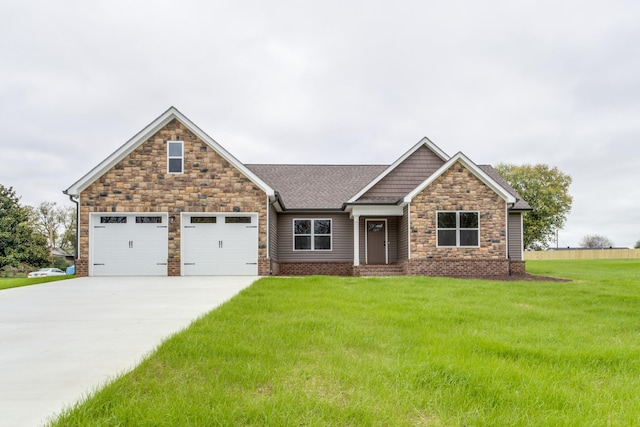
<point x="327" y="351"/>
<point x="6" y="283"/>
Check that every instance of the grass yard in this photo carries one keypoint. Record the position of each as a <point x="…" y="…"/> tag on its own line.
<point x="327" y="351"/>
<point x="6" y="283"/>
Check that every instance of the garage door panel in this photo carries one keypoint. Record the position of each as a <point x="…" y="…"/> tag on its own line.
<point x="129" y="245"/>
<point x="221" y="247"/>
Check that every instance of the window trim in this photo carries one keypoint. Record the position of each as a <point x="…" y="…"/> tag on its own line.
<point x="457" y="229"/>
<point x="170" y="157"/>
<point x="312" y="235"/>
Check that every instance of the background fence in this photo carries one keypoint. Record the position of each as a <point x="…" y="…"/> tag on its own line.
<point x="582" y="254"/>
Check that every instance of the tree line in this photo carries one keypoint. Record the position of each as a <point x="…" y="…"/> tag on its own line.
<point x="29" y="235"/>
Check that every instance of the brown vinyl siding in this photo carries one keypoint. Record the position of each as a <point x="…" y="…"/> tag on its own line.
<point x="515" y="236"/>
<point x="406" y="176"/>
<point x="403" y="234"/>
<point x="273" y="233"/>
<point x="341" y="239"/>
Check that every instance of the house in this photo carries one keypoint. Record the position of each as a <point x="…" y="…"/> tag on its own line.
<point x="172" y="201"/>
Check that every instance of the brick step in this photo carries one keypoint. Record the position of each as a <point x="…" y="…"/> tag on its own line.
<point x="381" y="270"/>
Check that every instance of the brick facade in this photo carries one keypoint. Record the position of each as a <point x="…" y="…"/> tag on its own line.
<point x="457" y="267"/>
<point x="140" y="183"/>
<point x="316" y="268"/>
<point x="458" y="189"/>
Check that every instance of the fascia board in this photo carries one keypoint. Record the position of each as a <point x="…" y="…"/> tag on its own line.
<point x="424" y="141"/>
<point x="143" y="135"/>
<point x="466" y="162"/>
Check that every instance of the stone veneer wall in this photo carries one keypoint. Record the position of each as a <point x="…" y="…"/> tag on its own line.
<point x="457" y="189"/>
<point x="140" y="183"/>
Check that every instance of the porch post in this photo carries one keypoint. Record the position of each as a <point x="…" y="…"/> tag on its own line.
<point x="356" y="240"/>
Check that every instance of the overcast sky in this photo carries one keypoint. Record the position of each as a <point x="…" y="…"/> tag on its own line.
<point x="555" y="82"/>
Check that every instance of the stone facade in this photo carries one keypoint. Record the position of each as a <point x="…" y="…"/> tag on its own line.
<point x="457" y="189"/>
<point x="140" y="183"/>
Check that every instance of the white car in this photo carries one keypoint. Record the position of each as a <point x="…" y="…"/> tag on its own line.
<point x="43" y="272"/>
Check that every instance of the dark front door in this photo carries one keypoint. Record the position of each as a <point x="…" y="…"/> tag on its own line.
<point x="376" y="242"/>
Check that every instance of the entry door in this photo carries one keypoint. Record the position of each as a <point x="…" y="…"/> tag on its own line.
<point x="376" y="242"/>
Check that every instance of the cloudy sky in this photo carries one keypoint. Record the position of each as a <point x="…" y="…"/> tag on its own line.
<point x="555" y="82"/>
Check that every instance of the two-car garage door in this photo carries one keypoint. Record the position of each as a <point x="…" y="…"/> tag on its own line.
<point x="124" y="244"/>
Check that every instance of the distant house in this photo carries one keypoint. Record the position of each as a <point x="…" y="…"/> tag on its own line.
<point x="57" y="252"/>
<point x="172" y="201"/>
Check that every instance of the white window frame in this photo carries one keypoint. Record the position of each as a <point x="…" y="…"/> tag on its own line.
<point x="312" y="235"/>
<point x="170" y="157"/>
<point x="457" y="229"/>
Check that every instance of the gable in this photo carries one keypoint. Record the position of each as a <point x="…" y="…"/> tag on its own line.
<point x="461" y="161"/>
<point x="423" y="143"/>
<point x="148" y="133"/>
<point x="416" y="168"/>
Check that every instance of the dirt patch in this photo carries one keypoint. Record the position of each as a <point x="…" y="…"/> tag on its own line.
<point x="532" y="278"/>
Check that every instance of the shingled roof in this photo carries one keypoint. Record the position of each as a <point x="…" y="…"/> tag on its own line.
<point x="330" y="186"/>
<point x="520" y="204"/>
<point x="316" y="186"/>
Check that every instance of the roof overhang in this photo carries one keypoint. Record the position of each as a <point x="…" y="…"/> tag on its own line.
<point x="142" y="136"/>
<point x="473" y="168"/>
<point x="375" y="210"/>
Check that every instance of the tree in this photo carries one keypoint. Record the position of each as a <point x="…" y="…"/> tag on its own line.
<point x="57" y="225"/>
<point x="595" y="241"/>
<point x="637" y="246"/>
<point x="68" y="240"/>
<point x="546" y="189"/>
<point x="20" y="241"/>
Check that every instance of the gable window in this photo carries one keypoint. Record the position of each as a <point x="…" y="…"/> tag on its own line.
<point x="458" y="229"/>
<point x="175" y="156"/>
<point x="312" y="234"/>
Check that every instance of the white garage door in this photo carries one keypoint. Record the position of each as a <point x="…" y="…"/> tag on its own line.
<point x="126" y="244"/>
<point x="219" y="244"/>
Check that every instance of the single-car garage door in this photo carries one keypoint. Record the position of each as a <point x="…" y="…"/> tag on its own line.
<point x="128" y="244"/>
<point x="219" y="244"/>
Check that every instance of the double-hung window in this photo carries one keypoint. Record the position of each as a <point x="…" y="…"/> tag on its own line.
<point x="312" y="234"/>
<point x="459" y="229"/>
<point x="175" y="156"/>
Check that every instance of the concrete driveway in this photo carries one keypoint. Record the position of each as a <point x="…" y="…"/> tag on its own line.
<point x="61" y="340"/>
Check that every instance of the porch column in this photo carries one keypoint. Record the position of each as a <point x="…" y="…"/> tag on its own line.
<point x="356" y="240"/>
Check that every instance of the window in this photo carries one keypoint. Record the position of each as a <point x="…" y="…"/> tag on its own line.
<point x="113" y="220"/>
<point x="459" y="229"/>
<point x="148" y="220"/>
<point x="312" y="234"/>
<point x="203" y="220"/>
<point x="175" y="156"/>
<point x="237" y="220"/>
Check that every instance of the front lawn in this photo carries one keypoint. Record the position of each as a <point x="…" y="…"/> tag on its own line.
<point x="327" y="351"/>
<point x="6" y="283"/>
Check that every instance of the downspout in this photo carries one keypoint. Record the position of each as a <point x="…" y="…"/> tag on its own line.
<point x="77" y="203"/>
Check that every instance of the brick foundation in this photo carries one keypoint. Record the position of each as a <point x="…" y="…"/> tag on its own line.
<point x="457" y="267"/>
<point x="82" y="267"/>
<point x="264" y="267"/>
<point x="173" y="267"/>
<point x="316" y="268"/>
<point x="518" y="268"/>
